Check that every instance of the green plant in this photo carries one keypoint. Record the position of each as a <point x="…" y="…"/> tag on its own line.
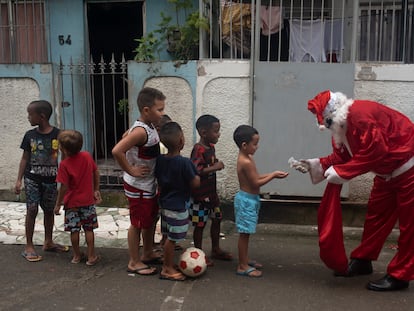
<point x="148" y="46"/>
<point x="123" y="106"/>
<point x="181" y="37"/>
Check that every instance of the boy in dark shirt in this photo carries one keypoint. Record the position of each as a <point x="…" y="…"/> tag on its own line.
<point x="38" y="166"/>
<point x="206" y="203"/>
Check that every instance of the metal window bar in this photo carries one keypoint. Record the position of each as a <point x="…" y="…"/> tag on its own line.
<point x="383" y="30"/>
<point x="386" y="31"/>
<point x="23" y="31"/>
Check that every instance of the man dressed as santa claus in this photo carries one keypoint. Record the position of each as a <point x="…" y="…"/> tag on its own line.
<point x="366" y="137"/>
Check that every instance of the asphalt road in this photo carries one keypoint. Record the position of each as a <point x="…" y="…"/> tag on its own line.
<point x="294" y="278"/>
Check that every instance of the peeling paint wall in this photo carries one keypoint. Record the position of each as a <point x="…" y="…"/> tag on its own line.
<point x="179" y="105"/>
<point x="16" y="94"/>
<point x="223" y="90"/>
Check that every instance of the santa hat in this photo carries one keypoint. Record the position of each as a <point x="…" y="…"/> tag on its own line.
<point x="322" y="104"/>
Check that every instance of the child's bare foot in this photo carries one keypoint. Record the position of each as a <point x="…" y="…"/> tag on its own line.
<point x="78" y="258"/>
<point x="221" y="255"/>
<point x="255" y="264"/>
<point x="56" y="248"/>
<point x="154" y="259"/>
<point x="93" y="261"/>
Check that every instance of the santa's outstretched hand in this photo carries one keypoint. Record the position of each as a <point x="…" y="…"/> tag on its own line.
<point x="298" y="165"/>
<point x="313" y="166"/>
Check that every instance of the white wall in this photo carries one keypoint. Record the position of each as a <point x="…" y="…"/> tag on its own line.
<point x="179" y="105"/>
<point x="15" y="95"/>
<point x="223" y="90"/>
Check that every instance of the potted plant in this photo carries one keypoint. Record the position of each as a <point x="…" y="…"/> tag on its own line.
<point x="181" y="38"/>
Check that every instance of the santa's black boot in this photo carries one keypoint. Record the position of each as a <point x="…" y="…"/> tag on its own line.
<point x="387" y="283"/>
<point x="357" y="267"/>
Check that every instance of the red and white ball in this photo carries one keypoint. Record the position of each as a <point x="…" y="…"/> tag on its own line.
<point x="193" y="262"/>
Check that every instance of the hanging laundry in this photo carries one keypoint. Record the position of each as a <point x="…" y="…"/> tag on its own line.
<point x="270" y="19"/>
<point x="236" y="25"/>
<point x="333" y="39"/>
<point x="306" y="42"/>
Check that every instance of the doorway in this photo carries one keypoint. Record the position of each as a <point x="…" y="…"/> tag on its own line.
<point x="112" y="30"/>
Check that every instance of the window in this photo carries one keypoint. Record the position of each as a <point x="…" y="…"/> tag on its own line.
<point x="386" y="32"/>
<point x="22" y="32"/>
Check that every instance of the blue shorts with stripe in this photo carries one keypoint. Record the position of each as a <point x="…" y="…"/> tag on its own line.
<point x="174" y="224"/>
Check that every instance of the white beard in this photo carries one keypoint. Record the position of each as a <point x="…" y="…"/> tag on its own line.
<point x="339" y="120"/>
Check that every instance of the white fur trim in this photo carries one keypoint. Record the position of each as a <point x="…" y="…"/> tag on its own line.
<point x="331" y="105"/>
<point x="333" y="177"/>
<point x="315" y="170"/>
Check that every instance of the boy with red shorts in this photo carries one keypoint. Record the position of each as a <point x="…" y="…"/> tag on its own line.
<point x="136" y="153"/>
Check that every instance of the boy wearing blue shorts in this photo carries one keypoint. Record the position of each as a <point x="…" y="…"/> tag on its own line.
<point x="247" y="200"/>
<point x="78" y="176"/>
<point x="176" y="176"/>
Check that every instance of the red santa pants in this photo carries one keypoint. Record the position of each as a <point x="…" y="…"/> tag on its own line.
<point x="389" y="201"/>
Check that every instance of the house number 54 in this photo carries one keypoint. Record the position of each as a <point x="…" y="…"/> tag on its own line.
<point x="63" y="41"/>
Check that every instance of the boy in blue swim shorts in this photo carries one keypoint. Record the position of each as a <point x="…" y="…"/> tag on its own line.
<point x="247" y="200"/>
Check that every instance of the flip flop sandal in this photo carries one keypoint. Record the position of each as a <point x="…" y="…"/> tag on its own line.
<point x="173" y="277"/>
<point x="139" y="270"/>
<point x="248" y="273"/>
<point x="82" y="257"/>
<point x="31" y="256"/>
<point x="92" y="263"/>
<point x="57" y="248"/>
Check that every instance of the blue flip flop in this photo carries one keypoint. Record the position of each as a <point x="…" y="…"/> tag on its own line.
<point x="31" y="256"/>
<point x="247" y="273"/>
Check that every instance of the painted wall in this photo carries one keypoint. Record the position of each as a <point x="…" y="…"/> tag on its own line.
<point x="15" y="95"/>
<point x="19" y="85"/>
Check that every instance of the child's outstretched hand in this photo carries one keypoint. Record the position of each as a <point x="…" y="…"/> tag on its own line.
<point x="280" y="174"/>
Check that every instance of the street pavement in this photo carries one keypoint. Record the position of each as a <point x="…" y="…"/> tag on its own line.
<point x="294" y="278"/>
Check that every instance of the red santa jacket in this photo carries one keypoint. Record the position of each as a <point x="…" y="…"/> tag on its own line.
<point x="380" y="140"/>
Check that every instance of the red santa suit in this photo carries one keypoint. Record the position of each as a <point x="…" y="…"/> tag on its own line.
<point x="367" y="137"/>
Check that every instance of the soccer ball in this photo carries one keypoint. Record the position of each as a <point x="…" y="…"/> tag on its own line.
<point x="193" y="262"/>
